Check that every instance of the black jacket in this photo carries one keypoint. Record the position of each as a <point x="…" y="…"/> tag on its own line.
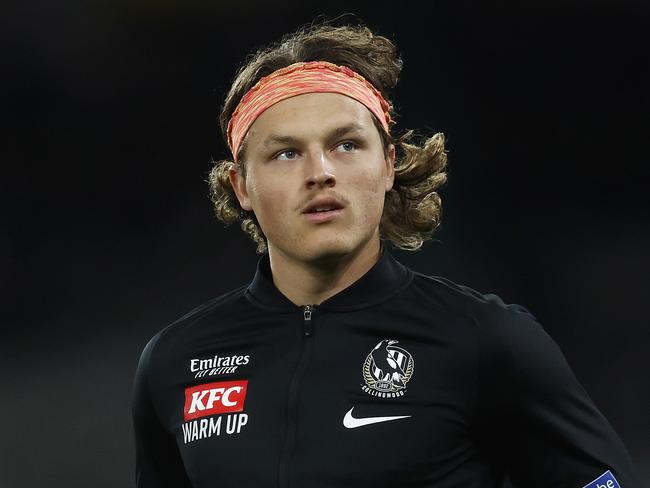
<point x="400" y="380"/>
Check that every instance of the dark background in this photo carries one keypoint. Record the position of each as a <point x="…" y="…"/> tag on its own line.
<point x="109" y="125"/>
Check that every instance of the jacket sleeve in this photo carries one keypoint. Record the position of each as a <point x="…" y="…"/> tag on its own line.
<point x="539" y="417"/>
<point x="158" y="463"/>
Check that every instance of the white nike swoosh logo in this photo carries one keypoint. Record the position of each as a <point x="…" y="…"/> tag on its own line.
<point x="352" y="423"/>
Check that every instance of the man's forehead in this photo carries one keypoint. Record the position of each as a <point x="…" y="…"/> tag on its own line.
<point x="320" y="115"/>
<point x="288" y="136"/>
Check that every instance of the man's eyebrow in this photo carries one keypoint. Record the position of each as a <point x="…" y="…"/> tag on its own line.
<point x="338" y="132"/>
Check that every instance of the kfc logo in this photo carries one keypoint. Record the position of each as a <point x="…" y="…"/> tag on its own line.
<point x="214" y="398"/>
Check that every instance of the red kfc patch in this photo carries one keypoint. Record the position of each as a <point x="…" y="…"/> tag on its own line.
<point x="214" y="398"/>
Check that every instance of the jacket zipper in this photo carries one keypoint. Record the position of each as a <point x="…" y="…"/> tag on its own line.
<point x="306" y="311"/>
<point x="292" y="407"/>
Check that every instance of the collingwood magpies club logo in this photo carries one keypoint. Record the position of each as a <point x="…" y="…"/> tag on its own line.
<point x="387" y="370"/>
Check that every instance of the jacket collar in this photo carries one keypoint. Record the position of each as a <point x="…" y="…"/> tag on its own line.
<point x="386" y="278"/>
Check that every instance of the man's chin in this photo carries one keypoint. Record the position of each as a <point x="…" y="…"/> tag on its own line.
<point x="324" y="254"/>
<point x="324" y="250"/>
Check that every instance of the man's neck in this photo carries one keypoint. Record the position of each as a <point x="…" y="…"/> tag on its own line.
<point x="307" y="283"/>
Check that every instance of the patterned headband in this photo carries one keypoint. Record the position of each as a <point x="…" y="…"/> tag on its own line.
<point x="299" y="78"/>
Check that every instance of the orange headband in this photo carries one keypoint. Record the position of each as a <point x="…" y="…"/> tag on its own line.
<point x="299" y="78"/>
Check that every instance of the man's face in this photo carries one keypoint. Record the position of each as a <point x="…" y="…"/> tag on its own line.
<point x="294" y="159"/>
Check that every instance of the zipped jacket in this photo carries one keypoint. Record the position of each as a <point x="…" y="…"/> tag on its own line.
<point x="400" y="380"/>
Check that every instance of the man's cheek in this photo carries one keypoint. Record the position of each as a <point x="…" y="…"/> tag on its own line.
<point x="273" y="217"/>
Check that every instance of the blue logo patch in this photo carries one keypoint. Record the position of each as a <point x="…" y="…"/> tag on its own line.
<point x="605" y="480"/>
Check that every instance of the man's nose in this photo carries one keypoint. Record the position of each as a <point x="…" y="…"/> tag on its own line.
<point x="320" y="170"/>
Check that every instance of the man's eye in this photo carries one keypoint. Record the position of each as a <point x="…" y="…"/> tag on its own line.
<point x="287" y="151"/>
<point x="352" y="145"/>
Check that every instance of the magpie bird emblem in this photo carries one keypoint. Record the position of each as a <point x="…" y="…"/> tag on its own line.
<point x="388" y="368"/>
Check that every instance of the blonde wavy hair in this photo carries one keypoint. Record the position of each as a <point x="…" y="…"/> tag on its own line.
<point x="413" y="208"/>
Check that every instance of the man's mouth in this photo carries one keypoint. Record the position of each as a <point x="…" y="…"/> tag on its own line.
<point x="323" y="209"/>
<point x="323" y="205"/>
<point x="323" y="216"/>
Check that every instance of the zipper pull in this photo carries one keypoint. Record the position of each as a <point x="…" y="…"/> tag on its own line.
<point x="306" y="314"/>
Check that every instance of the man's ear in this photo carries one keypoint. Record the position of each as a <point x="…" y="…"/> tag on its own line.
<point x="390" y="167"/>
<point x="238" y="183"/>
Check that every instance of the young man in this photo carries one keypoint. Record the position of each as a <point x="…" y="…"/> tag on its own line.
<point x="338" y="366"/>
